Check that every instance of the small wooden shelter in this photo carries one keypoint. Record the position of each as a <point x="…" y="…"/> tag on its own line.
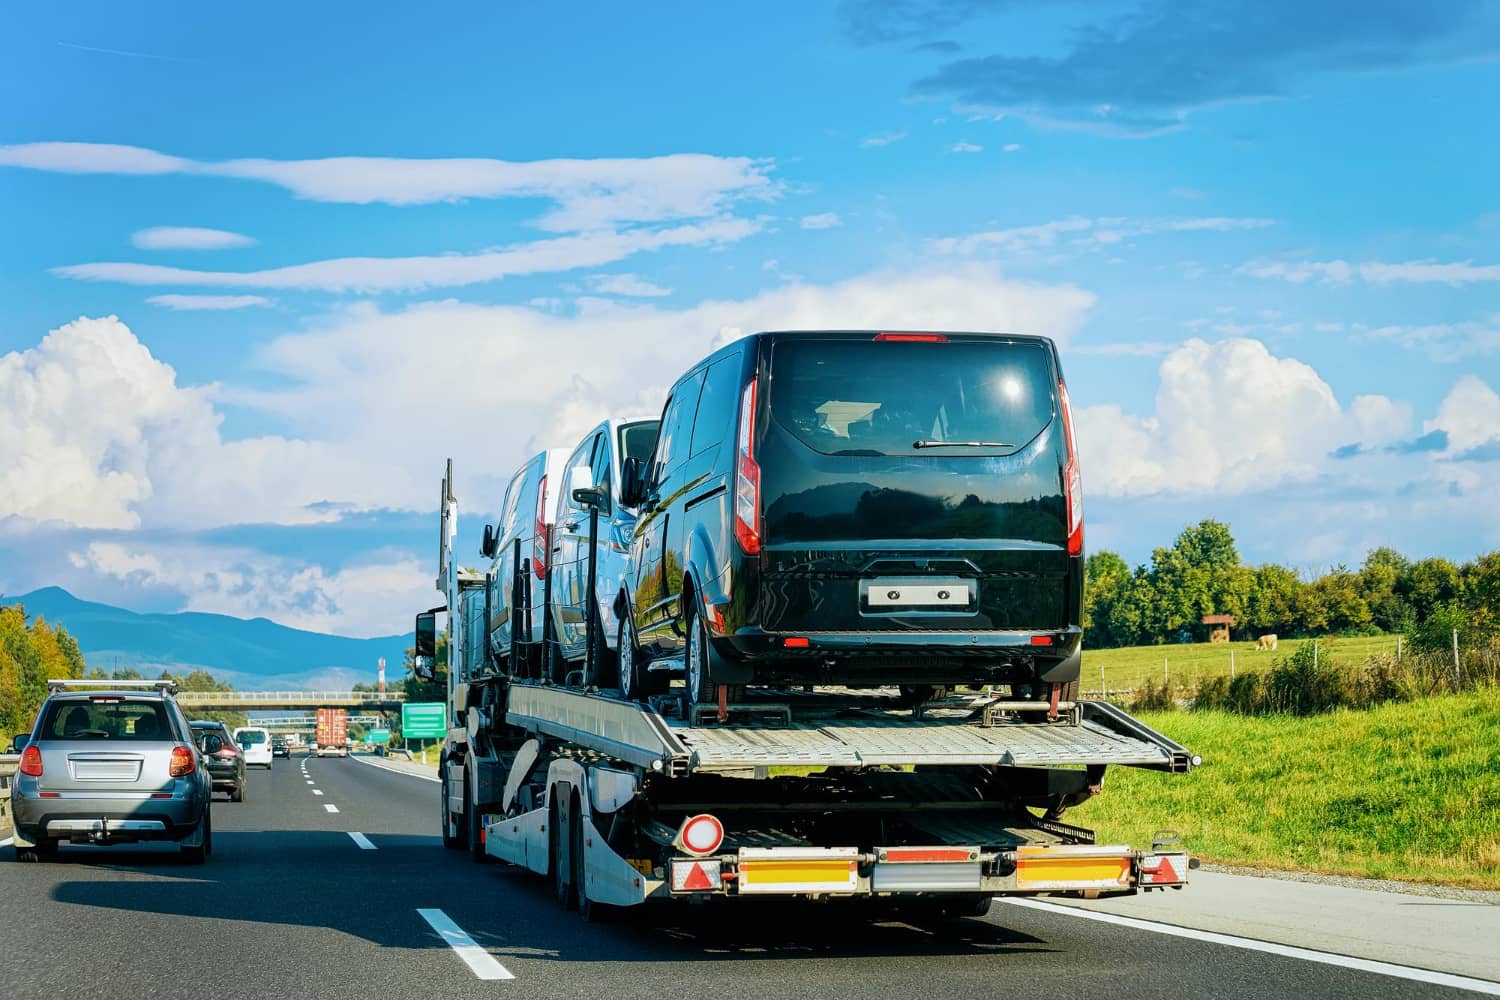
<point x="1218" y="627"/>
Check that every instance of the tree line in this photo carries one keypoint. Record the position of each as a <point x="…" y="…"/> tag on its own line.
<point x="1201" y="574"/>
<point x="34" y="652"/>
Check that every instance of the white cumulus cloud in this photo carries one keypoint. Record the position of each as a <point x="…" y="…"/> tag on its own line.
<point x="1229" y="417"/>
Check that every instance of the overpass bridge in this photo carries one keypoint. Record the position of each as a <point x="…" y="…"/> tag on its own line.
<point x="249" y="701"/>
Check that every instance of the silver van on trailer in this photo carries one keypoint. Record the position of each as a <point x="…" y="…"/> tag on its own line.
<point x="111" y="762"/>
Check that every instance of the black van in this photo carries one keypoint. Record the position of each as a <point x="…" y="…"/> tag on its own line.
<point x="859" y="508"/>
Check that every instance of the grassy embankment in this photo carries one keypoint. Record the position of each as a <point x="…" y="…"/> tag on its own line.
<point x="1129" y="667"/>
<point x="1403" y="791"/>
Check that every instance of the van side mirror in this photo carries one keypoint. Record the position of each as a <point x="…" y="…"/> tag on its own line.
<point x="632" y="483"/>
<point x="590" y="499"/>
<point x="20" y="741"/>
<point x="424" y="653"/>
<point x="487" y="544"/>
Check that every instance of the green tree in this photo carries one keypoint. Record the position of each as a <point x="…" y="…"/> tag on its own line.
<point x="1199" y="575"/>
<point x="1105" y="579"/>
<point x="1275" y="599"/>
<point x="1431" y="584"/>
<point x="1379" y="578"/>
<point x="1334" y="603"/>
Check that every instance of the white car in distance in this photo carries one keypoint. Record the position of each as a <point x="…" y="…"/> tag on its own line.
<point x="255" y="742"/>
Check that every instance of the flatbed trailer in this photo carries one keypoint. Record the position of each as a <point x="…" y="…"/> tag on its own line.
<point x="828" y="794"/>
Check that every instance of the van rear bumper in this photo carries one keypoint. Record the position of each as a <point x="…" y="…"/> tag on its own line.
<point x="937" y="657"/>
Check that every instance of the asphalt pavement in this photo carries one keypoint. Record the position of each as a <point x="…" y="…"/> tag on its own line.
<point x="294" y="904"/>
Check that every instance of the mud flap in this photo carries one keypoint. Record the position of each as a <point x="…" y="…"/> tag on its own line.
<point x="1065" y="670"/>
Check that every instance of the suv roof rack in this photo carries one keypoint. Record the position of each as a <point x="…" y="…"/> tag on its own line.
<point x="73" y="684"/>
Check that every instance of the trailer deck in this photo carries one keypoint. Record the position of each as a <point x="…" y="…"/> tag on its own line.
<point x="838" y="730"/>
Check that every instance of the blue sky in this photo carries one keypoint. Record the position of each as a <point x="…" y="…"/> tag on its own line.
<point x="264" y="268"/>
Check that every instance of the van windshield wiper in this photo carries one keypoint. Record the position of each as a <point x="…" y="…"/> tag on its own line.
<point x="961" y="444"/>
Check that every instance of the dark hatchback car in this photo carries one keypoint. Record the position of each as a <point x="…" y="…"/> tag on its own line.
<point x="226" y="766"/>
<point x="860" y="508"/>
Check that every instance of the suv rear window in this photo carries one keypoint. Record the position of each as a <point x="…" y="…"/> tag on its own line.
<point x="105" y="718"/>
<point x="896" y="398"/>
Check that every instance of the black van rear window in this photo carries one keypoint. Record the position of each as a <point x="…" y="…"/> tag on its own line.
<point x="900" y="398"/>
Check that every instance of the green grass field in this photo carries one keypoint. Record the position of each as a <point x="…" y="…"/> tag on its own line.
<point x="1405" y="791"/>
<point x="1128" y="667"/>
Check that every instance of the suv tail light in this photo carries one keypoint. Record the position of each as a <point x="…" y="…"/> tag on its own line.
<point x="31" y="762"/>
<point x="539" y="540"/>
<point x="747" y="478"/>
<point x="183" y="762"/>
<point x="1072" y="480"/>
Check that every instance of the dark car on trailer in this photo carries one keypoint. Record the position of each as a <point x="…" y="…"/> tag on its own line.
<point x="860" y="508"/>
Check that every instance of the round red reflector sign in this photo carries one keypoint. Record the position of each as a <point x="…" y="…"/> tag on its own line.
<point x="702" y="834"/>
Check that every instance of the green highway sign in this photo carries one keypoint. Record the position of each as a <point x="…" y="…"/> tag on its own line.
<point x="378" y="736"/>
<point x="424" y="720"/>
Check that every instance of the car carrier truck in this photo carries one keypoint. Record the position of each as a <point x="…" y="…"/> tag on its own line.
<point x="936" y="808"/>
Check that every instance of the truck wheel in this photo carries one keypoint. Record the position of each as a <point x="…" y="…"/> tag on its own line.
<point x="473" y="831"/>
<point x="913" y="695"/>
<point x="561" y="886"/>
<point x="966" y="905"/>
<point x="452" y="839"/>
<point x="701" y="688"/>
<point x="636" y="683"/>
<point x="590" y="911"/>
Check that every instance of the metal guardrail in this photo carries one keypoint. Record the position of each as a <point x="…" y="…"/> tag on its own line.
<point x="8" y="764"/>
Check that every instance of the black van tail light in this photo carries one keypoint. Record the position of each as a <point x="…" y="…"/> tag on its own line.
<point x="31" y="762"/>
<point x="1072" y="479"/>
<point x="747" y="478"/>
<point x="539" y="540"/>
<point x="911" y="338"/>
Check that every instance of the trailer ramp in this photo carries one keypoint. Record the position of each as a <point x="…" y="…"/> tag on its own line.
<point x="855" y="731"/>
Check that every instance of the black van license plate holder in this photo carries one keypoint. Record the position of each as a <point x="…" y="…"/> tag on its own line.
<point x="906" y="595"/>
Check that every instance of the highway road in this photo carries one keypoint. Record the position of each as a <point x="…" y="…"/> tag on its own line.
<point x="319" y="884"/>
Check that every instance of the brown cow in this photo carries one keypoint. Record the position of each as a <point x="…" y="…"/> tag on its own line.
<point x="1266" y="642"/>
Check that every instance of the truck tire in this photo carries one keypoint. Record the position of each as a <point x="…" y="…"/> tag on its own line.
<point x="473" y="831"/>
<point x="452" y="836"/>
<point x="590" y="911"/>
<point x="965" y="905"/>
<point x="562" y="886"/>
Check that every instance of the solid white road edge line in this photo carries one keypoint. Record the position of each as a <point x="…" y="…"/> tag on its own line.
<point x="481" y="962"/>
<point x="363" y="842"/>
<point x="397" y="770"/>
<point x="331" y="807"/>
<point x="1485" y="986"/>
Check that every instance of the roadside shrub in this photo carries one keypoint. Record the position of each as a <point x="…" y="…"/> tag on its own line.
<point x="1153" y="697"/>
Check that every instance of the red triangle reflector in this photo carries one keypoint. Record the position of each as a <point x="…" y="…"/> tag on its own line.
<point x="697" y="878"/>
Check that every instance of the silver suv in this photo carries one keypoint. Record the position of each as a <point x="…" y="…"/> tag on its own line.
<point x="111" y="762"/>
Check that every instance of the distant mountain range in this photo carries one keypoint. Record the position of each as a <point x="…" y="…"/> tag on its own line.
<point x="253" y="654"/>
